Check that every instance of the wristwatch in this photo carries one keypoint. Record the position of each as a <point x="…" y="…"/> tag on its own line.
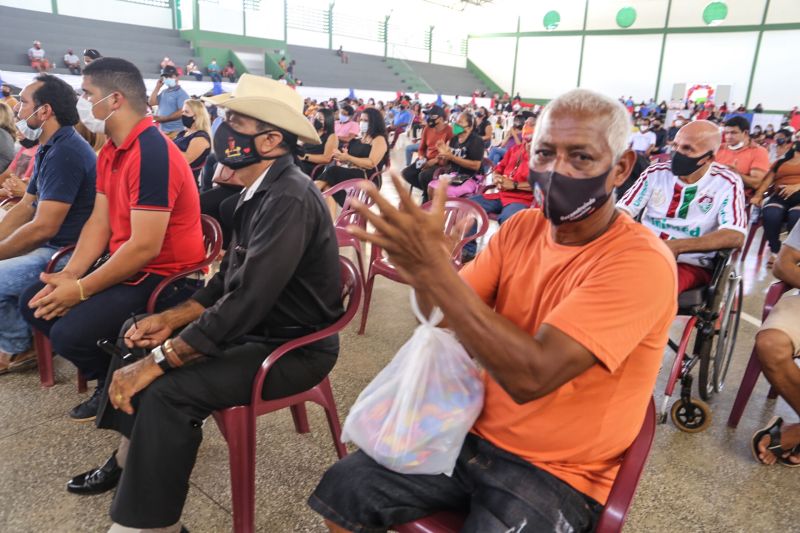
<point x="160" y="358"/>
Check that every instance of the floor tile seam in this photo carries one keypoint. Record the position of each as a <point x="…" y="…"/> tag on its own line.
<point x="210" y="497"/>
<point x="30" y="427"/>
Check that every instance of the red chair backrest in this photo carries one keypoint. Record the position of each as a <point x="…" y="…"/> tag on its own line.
<point x="774" y="294"/>
<point x="456" y="210"/>
<point x="352" y="189"/>
<point x="630" y="471"/>
<point x="212" y="240"/>
<point x="351" y="291"/>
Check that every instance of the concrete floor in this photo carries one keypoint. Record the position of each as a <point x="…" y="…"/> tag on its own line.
<point x="704" y="482"/>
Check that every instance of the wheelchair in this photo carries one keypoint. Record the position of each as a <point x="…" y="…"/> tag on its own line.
<point x="714" y="312"/>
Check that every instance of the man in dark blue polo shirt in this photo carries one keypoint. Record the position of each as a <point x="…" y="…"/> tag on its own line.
<point x="58" y="202"/>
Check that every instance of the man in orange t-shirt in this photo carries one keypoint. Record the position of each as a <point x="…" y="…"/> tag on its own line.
<point x="568" y="310"/>
<point x="741" y="154"/>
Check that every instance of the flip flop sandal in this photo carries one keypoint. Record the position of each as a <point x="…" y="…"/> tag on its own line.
<point x="22" y="360"/>
<point x="773" y="429"/>
<point x="787" y="461"/>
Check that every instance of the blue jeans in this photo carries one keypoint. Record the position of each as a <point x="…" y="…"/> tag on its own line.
<point x="496" y="154"/>
<point x="16" y="274"/>
<point x="491" y="207"/>
<point x="498" y="491"/>
<point x="411" y="149"/>
<point x="775" y="212"/>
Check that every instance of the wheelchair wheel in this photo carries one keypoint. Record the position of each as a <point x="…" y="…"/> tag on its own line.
<point x="692" y="416"/>
<point x="728" y="330"/>
<point x="716" y="361"/>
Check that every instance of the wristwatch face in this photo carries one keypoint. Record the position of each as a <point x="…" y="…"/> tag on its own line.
<point x="158" y="354"/>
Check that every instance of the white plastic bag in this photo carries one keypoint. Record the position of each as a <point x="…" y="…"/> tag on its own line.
<point x="413" y="417"/>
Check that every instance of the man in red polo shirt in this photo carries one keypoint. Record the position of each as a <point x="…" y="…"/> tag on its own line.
<point x="146" y="218"/>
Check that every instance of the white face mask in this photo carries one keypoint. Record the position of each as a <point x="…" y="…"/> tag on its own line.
<point x="92" y="123"/>
<point x="736" y="146"/>
<point x="363" y="126"/>
<point x="29" y="133"/>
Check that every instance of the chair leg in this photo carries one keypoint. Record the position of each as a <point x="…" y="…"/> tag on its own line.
<point x="239" y="431"/>
<point x="762" y="245"/>
<point x="44" y="354"/>
<point x="750" y="236"/>
<point x="300" y="417"/>
<point x="360" y="262"/>
<point x="749" y="380"/>
<point x="773" y="393"/>
<point x="81" y="382"/>
<point x="367" y="300"/>
<point x="333" y="417"/>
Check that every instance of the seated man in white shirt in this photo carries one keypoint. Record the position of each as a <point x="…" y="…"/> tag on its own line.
<point x="643" y="141"/>
<point x="693" y="203"/>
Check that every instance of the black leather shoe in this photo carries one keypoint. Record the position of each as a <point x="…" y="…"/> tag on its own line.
<point x="87" y="411"/>
<point x="97" y="480"/>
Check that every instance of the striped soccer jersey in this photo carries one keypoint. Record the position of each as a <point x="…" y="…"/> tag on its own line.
<point x="677" y="210"/>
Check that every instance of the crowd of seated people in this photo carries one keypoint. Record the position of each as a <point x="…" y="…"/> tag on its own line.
<point x="131" y="202"/>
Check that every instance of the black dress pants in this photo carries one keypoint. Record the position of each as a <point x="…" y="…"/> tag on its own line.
<point x="166" y="428"/>
<point x="419" y="178"/>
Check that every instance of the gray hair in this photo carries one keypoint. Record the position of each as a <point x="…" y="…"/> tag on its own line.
<point x="584" y="102"/>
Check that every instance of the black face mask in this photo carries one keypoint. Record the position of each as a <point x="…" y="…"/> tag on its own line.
<point x="432" y="122"/>
<point x="318" y="125"/>
<point x="683" y="165"/>
<point x="237" y="150"/>
<point x="780" y="142"/>
<point x="570" y="199"/>
<point x="27" y="143"/>
<point x="187" y="121"/>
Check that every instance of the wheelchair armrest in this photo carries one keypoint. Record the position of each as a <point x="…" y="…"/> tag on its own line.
<point x="721" y="262"/>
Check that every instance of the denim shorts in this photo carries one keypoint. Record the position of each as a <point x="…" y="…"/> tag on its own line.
<point x="496" y="490"/>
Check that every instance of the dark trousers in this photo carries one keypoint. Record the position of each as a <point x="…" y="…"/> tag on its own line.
<point x="498" y="491"/>
<point x="419" y="178"/>
<point x="74" y="336"/>
<point x="776" y="211"/>
<point x="165" y="430"/>
<point x="220" y="203"/>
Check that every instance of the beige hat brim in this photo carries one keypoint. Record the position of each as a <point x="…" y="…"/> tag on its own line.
<point x="275" y="112"/>
<point x="216" y="99"/>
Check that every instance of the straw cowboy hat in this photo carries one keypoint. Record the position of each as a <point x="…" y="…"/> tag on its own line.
<point x="269" y="101"/>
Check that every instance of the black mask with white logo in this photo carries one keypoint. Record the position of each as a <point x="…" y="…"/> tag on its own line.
<point x="570" y="199"/>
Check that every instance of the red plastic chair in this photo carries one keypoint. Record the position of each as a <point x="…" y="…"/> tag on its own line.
<point x="456" y="209"/>
<point x="212" y="238"/>
<point x="238" y="424"/>
<point x="348" y="217"/>
<point x="753" y="370"/>
<point x="751" y="235"/>
<point x="619" y="500"/>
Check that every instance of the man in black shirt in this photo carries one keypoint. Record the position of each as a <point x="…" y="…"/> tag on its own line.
<point x="279" y="280"/>
<point x="661" y="136"/>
